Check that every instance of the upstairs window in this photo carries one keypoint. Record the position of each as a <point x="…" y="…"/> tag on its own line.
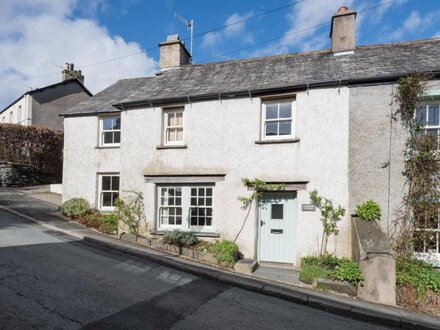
<point x="110" y="128"/>
<point x="11" y="117"/>
<point x="278" y="120"/>
<point x="19" y="114"/>
<point x="428" y="116"/>
<point x="173" y="126"/>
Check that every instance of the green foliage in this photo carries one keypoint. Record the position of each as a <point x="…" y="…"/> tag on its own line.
<point x="258" y="186"/>
<point x="39" y="147"/>
<point x="369" y="210"/>
<point x="330" y="216"/>
<point x="420" y="275"/>
<point x="75" y="208"/>
<point x="180" y="238"/>
<point x="310" y="272"/>
<point x="328" y="266"/>
<point x="224" y="251"/>
<point x="347" y="271"/>
<point x="109" y="223"/>
<point x="131" y="211"/>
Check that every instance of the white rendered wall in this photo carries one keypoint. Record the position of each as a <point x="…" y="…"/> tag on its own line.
<point x="220" y="138"/>
<point x="25" y="104"/>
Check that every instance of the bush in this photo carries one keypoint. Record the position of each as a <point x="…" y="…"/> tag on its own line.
<point x="180" y="238"/>
<point x="420" y="275"/>
<point x="369" y="210"/>
<point x="75" y="208"/>
<point x="310" y="272"/>
<point x="224" y="251"/>
<point x="109" y="223"/>
<point x="131" y="211"/>
<point x="347" y="271"/>
<point x="39" y="147"/>
<point x="329" y="266"/>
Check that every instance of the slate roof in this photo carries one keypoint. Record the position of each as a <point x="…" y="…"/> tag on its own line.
<point x="207" y="81"/>
<point x="42" y="89"/>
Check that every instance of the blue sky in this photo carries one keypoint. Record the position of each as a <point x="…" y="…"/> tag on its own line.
<point x="38" y="36"/>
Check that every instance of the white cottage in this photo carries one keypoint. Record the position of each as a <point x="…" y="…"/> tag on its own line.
<point x="186" y="136"/>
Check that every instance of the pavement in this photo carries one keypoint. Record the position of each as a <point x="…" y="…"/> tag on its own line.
<point x="231" y="299"/>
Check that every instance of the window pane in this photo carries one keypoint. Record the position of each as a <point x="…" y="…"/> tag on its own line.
<point x="108" y="137"/>
<point x="208" y="221"/>
<point x="193" y="201"/>
<point x="193" y="221"/>
<point x="106" y="199"/>
<point x="115" y="183"/>
<point x="421" y="116"/>
<point x="271" y="111"/>
<point x="271" y="129"/>
<point x="178" y="220"/>
<point x="114" y="197"/>
<point x="178" y="191"/>
<point x="179" y="118"/>
<point x="193" y="191"/>
<point x="285" y="128"/>
<point x="286" y="110"/>
<point x="171" y="191"/>
<point x="116" y="137"/>
<point x="172" y="135"/>
<point x="171" y="119"/>
<point x="106" y="182"/>
<point x="107" y="123"/>
<point x="201" y="192"/>
<point x="208" y="191"/>
<point x="209" y="202"/>
<point x="433" y="115"/>
<point x="277" y="211"/>
<point x="179" y="134"/>
<point x="117" y="123"/>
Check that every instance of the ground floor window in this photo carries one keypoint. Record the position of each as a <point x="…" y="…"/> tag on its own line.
<point x="427" y="234"/>
<point x="185" y="207"/>
<point x="108" y="190"/>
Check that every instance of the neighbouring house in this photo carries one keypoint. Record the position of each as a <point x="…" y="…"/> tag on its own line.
<point x="186" y="136"/>
<point x="42" y="106"/>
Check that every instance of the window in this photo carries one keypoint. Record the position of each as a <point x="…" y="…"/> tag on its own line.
<point x="277" y="120"/>
<point x="11" y="117"/>
<point x="185" y="207"/>
<point x="19" y="114"/>
<point x="428" y="116"/>
<point x="110" y="131"/>
<point x="108" y="190"/>
<point x="173" y="126"/>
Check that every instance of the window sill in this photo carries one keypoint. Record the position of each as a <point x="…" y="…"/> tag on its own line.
<point x="277" y="141"/>
<point x="108" y="147"/>
<point x="176" y="146"/>
<point x="198" y="234"/>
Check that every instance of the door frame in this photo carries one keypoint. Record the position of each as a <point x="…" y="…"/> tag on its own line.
<point x="295" y="199"/>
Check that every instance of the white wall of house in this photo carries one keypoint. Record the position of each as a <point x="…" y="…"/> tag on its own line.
<point x="18" y="113"/>
<point x="220" y="138"/>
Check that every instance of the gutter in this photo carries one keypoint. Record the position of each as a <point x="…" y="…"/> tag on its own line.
<point x="252" y="92"/>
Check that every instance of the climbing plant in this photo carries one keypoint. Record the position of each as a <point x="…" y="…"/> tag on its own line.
<point x="258" y="187"/>
<point x="422" y="168"/>
<point x="330" y="216"/>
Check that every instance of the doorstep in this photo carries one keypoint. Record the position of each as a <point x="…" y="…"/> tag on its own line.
<point x="287" y="275"/>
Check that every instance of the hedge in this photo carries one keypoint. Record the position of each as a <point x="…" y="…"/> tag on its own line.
<point x="39" y="147"/>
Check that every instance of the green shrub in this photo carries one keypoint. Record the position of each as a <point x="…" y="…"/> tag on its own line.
<point x="326" y="261"/>
<point x="131" y="211"/>
<point x="224" y="251"/>
<point x="369" y="210"/>
<point x="75" y="208"/>
<point x="309" y="272"/>
<point x="420" y="275"/>
<point x="310" y="260"/>
<point x="180" y="238"/>
<point x="109" y="223"/>
<point x="347" y="271"/>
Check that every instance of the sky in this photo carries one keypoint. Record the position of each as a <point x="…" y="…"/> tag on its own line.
<point x="115" y="39"/>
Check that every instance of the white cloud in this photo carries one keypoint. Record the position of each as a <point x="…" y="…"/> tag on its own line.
<point x="235" y="29"/>
<point x="414" y="24"/>
<point x="36" y="34"/>
<point x="385" y="6"/>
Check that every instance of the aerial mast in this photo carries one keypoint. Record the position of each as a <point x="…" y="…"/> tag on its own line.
<point x="189" y="26"/>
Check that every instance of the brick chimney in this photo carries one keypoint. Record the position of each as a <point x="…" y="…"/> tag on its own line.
<point x="173" y="53"/>
<point x="69" y="73"/>
<point x="343" y="31"/>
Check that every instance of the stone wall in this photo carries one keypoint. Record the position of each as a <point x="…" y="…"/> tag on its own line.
<point x="21" y="175"/>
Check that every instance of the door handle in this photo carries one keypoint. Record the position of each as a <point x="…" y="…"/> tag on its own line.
<point x="263" y="223"/>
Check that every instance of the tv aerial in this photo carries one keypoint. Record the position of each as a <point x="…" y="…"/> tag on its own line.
<point x="189" y="26"/>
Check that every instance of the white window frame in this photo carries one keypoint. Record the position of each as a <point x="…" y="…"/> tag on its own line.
<point x="166" y="128"/>
<point x="100" y="191"/>
<point x="186" y="208"/>
<point x="427" y="127"/>
<point x="102" y="131"/>
<point x="291" y="119"/>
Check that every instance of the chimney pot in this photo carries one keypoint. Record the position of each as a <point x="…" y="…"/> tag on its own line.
<point x="69" y="73"/>
<point x="342" y="9"/>
<point x="173" y="53"/>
